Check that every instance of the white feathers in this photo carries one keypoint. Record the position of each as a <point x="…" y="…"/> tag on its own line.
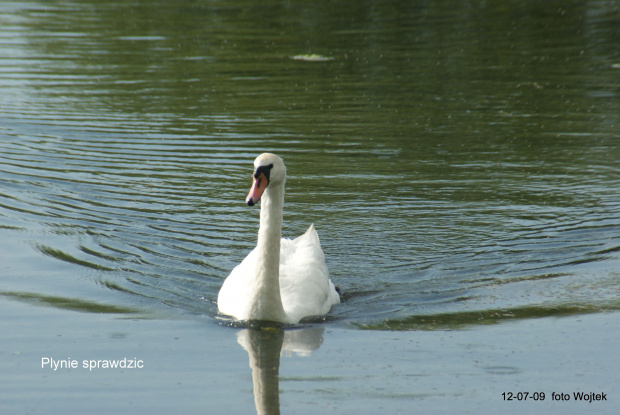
<point x="281" y="280"/>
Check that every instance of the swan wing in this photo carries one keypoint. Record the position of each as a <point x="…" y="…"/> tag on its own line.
<point x="305" y="287"/>
<point x="232" y="299"/>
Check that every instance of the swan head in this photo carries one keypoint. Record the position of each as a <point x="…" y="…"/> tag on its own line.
<point x="269" y="170"/>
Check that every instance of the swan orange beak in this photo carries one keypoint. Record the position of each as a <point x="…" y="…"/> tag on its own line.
<point x="258" y="187"/>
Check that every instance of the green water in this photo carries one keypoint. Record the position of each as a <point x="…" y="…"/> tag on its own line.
<point x="458" y="159"/>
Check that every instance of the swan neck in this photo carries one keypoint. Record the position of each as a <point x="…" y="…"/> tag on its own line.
<point x="270" y="230"/>
<point x="268" y="302"/>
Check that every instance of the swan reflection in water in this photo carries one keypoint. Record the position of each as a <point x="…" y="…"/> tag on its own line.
<point x="265" y="346"/>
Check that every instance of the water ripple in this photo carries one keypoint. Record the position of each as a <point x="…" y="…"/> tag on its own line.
<point x="125" y="157"/>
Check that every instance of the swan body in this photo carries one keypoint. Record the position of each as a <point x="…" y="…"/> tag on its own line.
<point x="280" y="280"/>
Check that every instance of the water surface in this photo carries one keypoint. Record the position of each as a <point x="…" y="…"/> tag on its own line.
<point x="459" y="161"/>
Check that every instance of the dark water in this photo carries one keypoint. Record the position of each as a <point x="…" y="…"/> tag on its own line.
<point x="459" y="159"/>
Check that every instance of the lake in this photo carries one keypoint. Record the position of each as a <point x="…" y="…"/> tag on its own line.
<point x="458" y="159"/>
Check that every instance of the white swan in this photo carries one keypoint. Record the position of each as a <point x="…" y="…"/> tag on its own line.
<point x="281" y="280"/>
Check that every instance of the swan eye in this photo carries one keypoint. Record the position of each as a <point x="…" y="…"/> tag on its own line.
<point x="264" y="170"/>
